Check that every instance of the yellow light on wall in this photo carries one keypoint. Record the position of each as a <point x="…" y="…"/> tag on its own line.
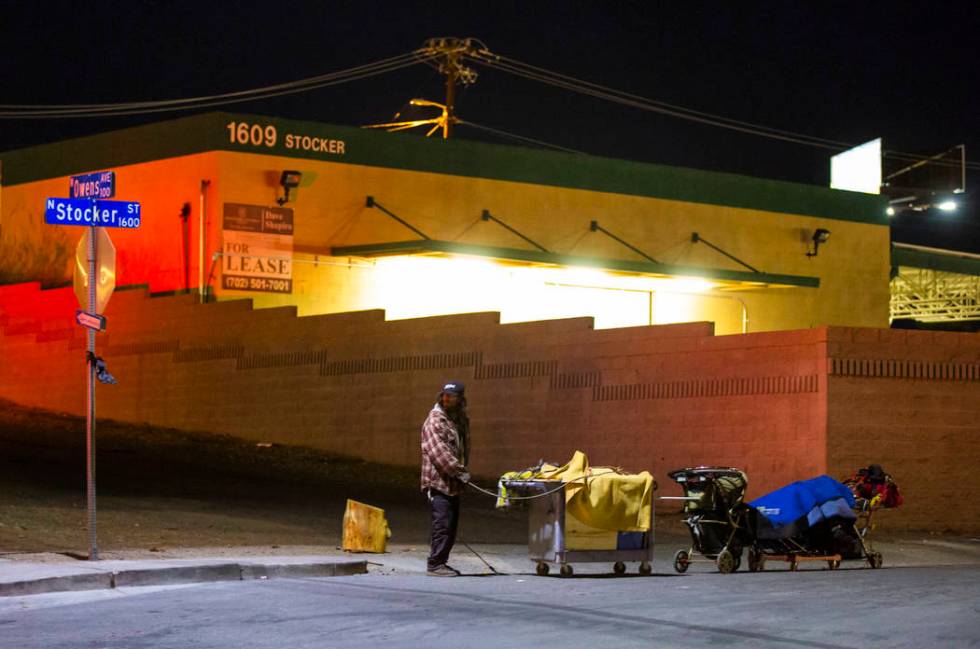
<point x="409" y="286"/>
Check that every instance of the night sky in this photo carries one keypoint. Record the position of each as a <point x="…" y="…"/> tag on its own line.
<point x="848" y="71"/>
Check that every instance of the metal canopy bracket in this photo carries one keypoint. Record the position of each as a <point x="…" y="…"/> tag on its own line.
<point x="370" y="202"/>
<point x="696" y="238"/>
<point x="595" y="227"/>
<point x="435" y="246"/>
<point x="487" y="216"/>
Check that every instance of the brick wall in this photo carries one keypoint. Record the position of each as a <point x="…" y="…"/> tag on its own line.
<point x="654" y="398"/>
<point x="909" y="400"/>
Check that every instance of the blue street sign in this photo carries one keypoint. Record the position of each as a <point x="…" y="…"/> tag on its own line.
<point x="85" y="211"/>
<point x="101" y="184"/>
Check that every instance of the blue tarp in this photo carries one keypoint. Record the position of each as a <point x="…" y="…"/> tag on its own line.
<point x="815" y="499"/>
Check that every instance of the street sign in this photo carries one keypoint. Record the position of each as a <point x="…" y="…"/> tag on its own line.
<point x="90" y="320"/>
<point x="85" y="211"/>
<point x="105" y="269"/>
<point x="101" y="184"/>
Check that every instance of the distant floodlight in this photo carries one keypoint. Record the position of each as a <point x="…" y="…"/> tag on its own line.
<point x="890" y="211"/>
<point x="947" y="206"/>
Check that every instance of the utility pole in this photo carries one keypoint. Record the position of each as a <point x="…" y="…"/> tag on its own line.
<point x="449" y="53"/>
<point x="446" y="55"/>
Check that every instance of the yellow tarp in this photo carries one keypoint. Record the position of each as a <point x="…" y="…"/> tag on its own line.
<point x="603" y="497"/>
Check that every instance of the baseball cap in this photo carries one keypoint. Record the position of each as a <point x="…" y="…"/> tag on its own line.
<point x="454" y="387"/>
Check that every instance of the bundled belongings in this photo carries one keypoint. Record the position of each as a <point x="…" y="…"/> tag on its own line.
<point x="875" y="487"/>
<point x="580" y="513"/>
<point x="605" y="498"/>
<point x="715" y="516"/>
<point x="809" y="520"/>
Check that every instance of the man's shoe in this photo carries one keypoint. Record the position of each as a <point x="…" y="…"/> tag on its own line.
<point x="442" y="571"/>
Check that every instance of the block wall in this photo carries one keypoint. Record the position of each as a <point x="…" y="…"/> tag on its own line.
<point x="782" y="405"/>
<point x="909" y="400"/>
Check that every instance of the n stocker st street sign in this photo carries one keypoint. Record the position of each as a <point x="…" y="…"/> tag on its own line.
<point x="86" y="211"/>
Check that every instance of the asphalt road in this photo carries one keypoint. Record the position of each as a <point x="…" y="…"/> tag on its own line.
<point x="858" y="607"/>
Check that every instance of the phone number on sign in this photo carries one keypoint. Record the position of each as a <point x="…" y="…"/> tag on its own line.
<point x="239" y="283"/>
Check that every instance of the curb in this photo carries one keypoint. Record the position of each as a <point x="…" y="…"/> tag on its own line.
<point x="168" y="575"/>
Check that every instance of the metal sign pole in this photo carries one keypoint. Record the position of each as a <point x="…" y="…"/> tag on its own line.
<point x="87" y="207"/>
<point x="93" y="552"/>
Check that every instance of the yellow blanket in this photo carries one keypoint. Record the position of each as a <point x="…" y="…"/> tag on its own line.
<point x="602" y="497"/>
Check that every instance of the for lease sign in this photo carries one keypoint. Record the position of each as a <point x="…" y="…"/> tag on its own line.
<point x="257" y="248"/>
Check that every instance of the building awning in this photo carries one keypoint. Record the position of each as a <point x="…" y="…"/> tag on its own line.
<point x="733" y="279"/>
<point x="938" y="259"/>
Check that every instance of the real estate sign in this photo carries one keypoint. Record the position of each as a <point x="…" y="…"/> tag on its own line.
<point x="257" y="248"/>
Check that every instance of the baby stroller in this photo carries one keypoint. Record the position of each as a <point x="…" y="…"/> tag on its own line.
<point x="809" y="520"/>
<point x="716" y="516"/>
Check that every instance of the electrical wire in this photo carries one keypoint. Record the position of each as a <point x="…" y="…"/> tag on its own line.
<point x="9" y="111"/>
<point x="518" y="138"/>
<point x="298" y="84"/>
<point x="535" y="73"/>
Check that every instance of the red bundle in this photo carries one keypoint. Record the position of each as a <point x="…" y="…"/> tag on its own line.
<point x="875" y="486"/>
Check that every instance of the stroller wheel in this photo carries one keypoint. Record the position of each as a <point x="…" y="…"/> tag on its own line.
<point x="833" y="565"/>
<point x="874" y="559"/>
<point x="681" y="560"/>
<point x="756" y="561"/>
<point x="726" y="562"/>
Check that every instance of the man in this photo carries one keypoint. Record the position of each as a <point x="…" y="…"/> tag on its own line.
<point x="445" y="454"/>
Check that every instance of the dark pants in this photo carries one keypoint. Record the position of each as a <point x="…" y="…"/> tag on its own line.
<point x="445" y="519"/>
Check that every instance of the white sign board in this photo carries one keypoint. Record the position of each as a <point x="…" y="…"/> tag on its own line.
<point x="858" y="169"/>
<point x="257" y="248"/>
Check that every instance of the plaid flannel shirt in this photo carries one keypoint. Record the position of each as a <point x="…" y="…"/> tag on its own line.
<point x="445" y="450"/>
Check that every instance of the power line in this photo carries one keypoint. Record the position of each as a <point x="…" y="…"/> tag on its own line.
<point x="534" y="73"/>
<point x="518" y="138"/>
<point x="136" y="108"/>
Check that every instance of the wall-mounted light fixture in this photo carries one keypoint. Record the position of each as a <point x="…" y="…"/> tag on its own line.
<point x="288" y="180"/>
<point x="820" y="235"/>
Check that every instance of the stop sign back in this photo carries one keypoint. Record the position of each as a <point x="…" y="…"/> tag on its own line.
<point x="105" y="269"/>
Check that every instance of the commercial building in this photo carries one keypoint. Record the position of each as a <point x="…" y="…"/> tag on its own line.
<point x="398" y="263"/>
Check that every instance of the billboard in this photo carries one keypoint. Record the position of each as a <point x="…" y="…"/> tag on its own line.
<point x="858" y="169"/>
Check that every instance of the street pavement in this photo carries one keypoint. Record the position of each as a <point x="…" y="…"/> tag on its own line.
<point x="904" y="604"/>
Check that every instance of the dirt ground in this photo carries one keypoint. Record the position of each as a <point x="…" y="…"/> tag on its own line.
<point x="161" y="489"/>
<point x="164" y="492"/>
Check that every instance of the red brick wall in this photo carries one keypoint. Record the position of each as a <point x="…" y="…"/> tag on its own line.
<point x="654" y="398"/>
<point x="909" y="400"/>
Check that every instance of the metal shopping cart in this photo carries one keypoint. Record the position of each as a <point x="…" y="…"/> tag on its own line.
<point x="556" y="537"/>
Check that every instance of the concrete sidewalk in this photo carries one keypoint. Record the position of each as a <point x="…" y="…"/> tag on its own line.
<point x="33" y="577"/>
<point x="47" y="573"/>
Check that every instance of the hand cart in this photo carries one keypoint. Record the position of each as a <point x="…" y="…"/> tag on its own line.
<point x="547" y="539"/>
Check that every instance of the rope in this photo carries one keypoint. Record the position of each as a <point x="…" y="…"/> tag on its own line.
<point x="479" y="556"/>
<point x="496" y="494"/>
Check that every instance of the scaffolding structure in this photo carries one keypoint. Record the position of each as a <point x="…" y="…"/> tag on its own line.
<point x="931" y="295"/>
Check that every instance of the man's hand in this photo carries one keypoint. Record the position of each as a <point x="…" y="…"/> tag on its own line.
<point x="464" y="476"/>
